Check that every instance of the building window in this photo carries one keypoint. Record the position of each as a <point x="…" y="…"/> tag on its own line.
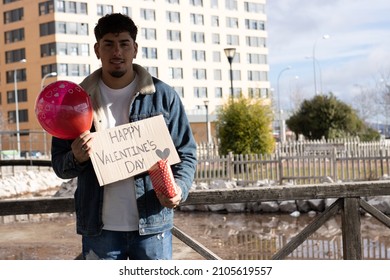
<point x="60" y="27"/>
<point x="60" y="48"/>
<point x="196" y="3"/>
<point x="197" y="37"/>
<point x="63" y="69"/>
<point x="232" y="40"/>
<point x="46" y="7"/>
<point x="46" y="29"/>
<point x="152" y="70"/>
<point x="255" y="58"/>
<point x="236" y="75"/>
<point x="216" y="56"/>
<point x="149" y="53"/>
<point x="254" y="93"/>
<point x="214" y="4"/>
<point x="173" y="17"/>
<point x="215" y="38"/>
<point x="149" y="33"/>
<point x="173" y="1"/>
<point x="126" y="11"/>
<point x="60" y="6"/>
<point x="148" y="14"/>
<point x="83" y="8"/>
<point x="252" y="41"/>
<point x="197" y="19"/>
<point x="175" y="73"/>
<point x="21" y="76"/>
<point x="13" y="15"/>
<point x="22" y="96"/>
<point x="252" y="24"/>
<point x="231" y="5"/>
<point x="103" y="10"/>
<point x="200" y="92"/>
<point x="14" y="36"/>
<point x="251" y="7"/>
<point x="45" y="69"/>
<point x="174" y="35"/>
<point x="257" y="76"/>
<point x="74" y="70"/>
<point x="199" y="74"/>
<point x="231" y="22"/>
<point x="23" y="116"/>
<point x="180" y="91"/>
<point x="71" y="7"/>
<point x="15" y="55"/>
<point x="218" y="92"/>
<point x="217" y="74"/>
<point x="199" y="55"/>
<point x="174" y="54"/>
<point x="215" y="21"/>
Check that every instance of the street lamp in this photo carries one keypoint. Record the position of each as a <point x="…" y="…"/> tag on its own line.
<point x="282" y="130"/>
<point x="314" y="62"/>
<point x="319" y="66"/>
<point x="17" y="107"/>
<point x="230" y="52"/>
<point x="206" y="105"/>
<point x="52" y="74"/>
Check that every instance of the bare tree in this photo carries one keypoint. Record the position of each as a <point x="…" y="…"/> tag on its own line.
<point x="364" y="103"/>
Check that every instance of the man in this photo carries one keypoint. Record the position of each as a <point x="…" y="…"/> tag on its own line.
<point x="125" y="219"/>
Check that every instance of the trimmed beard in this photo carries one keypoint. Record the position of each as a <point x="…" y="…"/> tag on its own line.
<point x="117" y="74"/>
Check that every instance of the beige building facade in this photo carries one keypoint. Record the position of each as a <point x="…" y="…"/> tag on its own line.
<point x="181" y="42"/>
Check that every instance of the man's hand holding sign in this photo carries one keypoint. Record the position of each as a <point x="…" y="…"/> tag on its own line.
<point x="127" y="150"/>
<point x="130" y="149"/>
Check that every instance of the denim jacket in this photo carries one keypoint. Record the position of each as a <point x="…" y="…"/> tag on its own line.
<point x="153" y="97"/>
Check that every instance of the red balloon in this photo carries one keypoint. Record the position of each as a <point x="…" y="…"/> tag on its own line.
<point x="64" y="109"/>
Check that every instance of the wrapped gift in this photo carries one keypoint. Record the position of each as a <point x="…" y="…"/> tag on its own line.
<point x="162" y="178"/>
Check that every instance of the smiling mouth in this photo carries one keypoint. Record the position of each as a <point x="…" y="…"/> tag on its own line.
<point x="117" y="61"/>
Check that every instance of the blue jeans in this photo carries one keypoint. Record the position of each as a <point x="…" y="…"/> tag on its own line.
<point x="118" y="245"/>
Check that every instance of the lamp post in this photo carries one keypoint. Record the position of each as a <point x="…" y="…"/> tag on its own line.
<point x="282" y="130"/>
<point x="314" y="62"/>
<point x="319" y="67"/>
<point x="230" y="52"/>
<point x="52" y="74"/>
<point x="17" y="107"/>
<point x="206" y="105"/>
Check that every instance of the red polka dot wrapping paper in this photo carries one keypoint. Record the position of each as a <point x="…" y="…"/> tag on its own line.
<point x="162" y="178"/>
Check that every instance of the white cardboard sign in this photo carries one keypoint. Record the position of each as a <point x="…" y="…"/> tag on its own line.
<point x="124" y="151"/>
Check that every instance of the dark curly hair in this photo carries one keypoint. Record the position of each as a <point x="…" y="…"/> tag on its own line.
<point x="115" y="23"/>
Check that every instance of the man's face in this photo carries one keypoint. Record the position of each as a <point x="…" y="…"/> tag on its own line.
<point x="116" y="52"/>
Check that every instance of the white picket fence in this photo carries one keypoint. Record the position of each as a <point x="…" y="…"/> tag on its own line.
<point x="301" y="162"/>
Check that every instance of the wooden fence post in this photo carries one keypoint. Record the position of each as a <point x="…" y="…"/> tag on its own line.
<point x="334" y="159"/>
<point x="280" y="160"/>
<point x="230" y="166"/>
<point x="350" y="217"/>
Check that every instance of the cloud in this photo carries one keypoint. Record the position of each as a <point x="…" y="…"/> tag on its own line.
<point x="356" y="52"/>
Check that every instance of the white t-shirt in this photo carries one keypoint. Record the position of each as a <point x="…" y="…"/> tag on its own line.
<point x="120" y="211"/>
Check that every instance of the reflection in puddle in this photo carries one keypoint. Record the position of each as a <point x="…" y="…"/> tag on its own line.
<point x="251" y="236"/>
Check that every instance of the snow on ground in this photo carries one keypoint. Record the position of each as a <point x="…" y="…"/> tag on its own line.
<point x="27" y="182"/>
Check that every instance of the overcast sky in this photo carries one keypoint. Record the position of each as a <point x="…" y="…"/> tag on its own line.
<point x="356" y="53"/>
